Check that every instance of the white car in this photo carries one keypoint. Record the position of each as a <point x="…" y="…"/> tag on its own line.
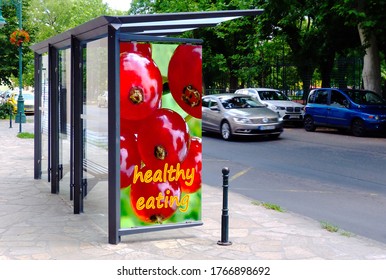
<point x="103" y="99"/>
<point x="289" y="111"/>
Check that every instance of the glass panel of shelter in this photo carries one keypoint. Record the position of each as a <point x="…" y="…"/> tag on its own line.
<point x="95" y="125"/>
<point x="64" y="119"/>
<point x="43" y="110"/>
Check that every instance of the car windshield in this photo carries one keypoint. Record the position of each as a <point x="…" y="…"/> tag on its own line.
<point x="365" y="97"/>
<point x="272" y="95"/>
<point x="239" y="102"/>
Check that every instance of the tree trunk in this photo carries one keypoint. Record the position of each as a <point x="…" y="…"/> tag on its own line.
<point x="233" y="81"/>
<point x="326" y="67"/>
<point x="371" y="73"/>
<point x="306" y="73"/>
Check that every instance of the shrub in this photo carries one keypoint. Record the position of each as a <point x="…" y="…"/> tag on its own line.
<point x="5" y="109"/>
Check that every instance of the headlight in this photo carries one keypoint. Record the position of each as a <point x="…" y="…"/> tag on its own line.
<point x="273" y="107"/>
<point x="242" y="120"/>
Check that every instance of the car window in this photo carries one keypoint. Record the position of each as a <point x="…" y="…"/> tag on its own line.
<point x="321" y="97"/>
<point x="365" y="97"/>
<point x="239" y="102"/>
<point x="337" y="99"/>
<point x="205" y="102"/>
<point x="272" y="95"/>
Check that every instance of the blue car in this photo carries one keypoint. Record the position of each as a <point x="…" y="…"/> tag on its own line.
<point x="360" y="111"/>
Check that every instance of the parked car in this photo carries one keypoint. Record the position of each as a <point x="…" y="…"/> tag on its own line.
<point x="103" y="99"/>
<point x="290" y="111"/>
<point x="238" y="114"/>
<point x="360" y="111"/>
<point x="29" y="103"/>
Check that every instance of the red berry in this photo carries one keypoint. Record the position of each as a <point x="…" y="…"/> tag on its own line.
<point x="155" y="202"/>
<point x="163" y="138"/>
<point x="129" y="158"/>
<point x="185" y="78"/>
<point x="142" y="48"/>
<point x="141" y="86"/>
<point x="193" y="160"/>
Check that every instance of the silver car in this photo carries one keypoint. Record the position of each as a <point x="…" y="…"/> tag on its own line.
<point x="239" y="114"/>
<point x="290" y="111"/>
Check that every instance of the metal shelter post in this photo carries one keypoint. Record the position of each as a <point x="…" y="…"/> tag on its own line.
<point x="77" y="124"/>
<point x="38" y="118"/>
<point x="53" y="62"/>
<point x="113" y="137"/>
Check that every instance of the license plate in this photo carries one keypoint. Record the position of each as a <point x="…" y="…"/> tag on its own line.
<point x="268" y="127"/>
<point x="294" y="117"/>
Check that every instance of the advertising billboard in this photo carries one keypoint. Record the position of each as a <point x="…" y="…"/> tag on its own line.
<point x="160" y="134"/>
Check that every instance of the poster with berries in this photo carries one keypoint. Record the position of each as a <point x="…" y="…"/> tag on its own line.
<point x="160" y="133"/>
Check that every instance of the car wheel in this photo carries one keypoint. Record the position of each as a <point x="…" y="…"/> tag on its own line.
<point x="358" y="127"/>
<point x="309" y="124"/>
<point x="226" y="132"/>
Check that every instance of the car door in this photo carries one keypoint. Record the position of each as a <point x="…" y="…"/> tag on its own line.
<point x="337" y="112"/>
<point x="210" y="114"/>
<point x="320" y="106"/>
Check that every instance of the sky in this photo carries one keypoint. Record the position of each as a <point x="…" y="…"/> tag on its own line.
<point x="122" y="5"/>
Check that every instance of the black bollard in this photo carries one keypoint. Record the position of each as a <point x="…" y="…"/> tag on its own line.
<point x="20" y="122"/>
<point x="10" y="118"/>
<point x="225" y="217"/>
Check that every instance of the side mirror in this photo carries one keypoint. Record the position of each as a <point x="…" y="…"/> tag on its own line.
<point x="346" y="103"/>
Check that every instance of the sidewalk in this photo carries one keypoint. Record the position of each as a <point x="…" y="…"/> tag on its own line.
<point x="35" y="224"/>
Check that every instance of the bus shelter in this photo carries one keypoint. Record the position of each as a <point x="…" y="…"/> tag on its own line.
<point x="118" y="112"/>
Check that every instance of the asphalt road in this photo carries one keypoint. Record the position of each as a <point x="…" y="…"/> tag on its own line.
<point x="329" y="176"/>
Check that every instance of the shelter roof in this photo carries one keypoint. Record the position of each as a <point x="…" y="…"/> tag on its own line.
<point x="149" y="24"/>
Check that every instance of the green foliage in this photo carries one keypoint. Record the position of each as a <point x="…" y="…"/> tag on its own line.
<point x="5" y="110"/>
<point x="41" y="19"/>
<point x="269" y="206"/>
<point x="329" y="227"/>
<point x="291" y="42"/>
<point x="9" y="54"/>
<point x="50" y="18"/>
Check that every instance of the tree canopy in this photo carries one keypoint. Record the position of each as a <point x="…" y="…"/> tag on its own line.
<point x="41" y="19"/>
<point x="294" y="44"/>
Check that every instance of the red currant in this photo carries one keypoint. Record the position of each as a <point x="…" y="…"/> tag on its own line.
<point x="193" y="160"/>
<point x="141" y="86"/>
<point x="155" y="202"/>
<point x="129" y="158"/>
<point x="142" y="48"/>
<point x="185" y="78"/>
<point x="163" y="138"/>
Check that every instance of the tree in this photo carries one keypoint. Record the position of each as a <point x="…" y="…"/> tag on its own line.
<point x="227" y="49"/>
<point x="51" y="19"/>
<point x="369" y="17"/>
<point x="9" y="54"/>
<point x="42" y="19"/>
<point x="314" y="33"/>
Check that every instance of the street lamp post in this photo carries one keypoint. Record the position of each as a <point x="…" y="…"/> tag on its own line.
<point x="20" y="117"/>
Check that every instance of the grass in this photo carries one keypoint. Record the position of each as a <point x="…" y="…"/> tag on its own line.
<point x="332" y="228"/>
<point x="346" y="233"/>
<point x="329" y="227"/>
<point x="269" y="206"/>
<point x="25" y="135"/>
